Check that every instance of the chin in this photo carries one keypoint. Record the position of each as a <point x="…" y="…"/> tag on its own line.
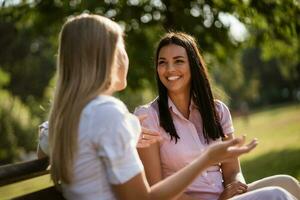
<point x="121" y="87"/>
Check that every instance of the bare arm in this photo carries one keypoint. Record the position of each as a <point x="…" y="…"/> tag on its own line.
<point x="173" y="186"/>
<point x="150" y="158"/>
<point x="40" y="153"/>
<point x="232" y="170"/>
<point x="234" y="182"/>
<point x="168" y="188"/>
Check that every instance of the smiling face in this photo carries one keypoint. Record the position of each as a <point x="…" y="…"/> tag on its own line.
<point x="173" y="69"/>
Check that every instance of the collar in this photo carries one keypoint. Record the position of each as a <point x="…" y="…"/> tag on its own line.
<point x="174" y="109"/>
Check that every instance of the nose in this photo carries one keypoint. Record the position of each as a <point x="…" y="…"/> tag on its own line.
<point x="170" y="67"/>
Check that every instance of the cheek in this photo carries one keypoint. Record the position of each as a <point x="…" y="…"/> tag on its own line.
<point x="160" y="72"/>
<point x="123" y="68"/>
<point x="123" y="73"/>
<point x="188" y="72"/>
<point x="126" y="62"/>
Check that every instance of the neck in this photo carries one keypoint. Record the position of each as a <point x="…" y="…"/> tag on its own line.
<point x="109" y="91"/>
<point x="182" y="102"/>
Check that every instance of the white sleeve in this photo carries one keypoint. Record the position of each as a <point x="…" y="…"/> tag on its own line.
<point x="116" y="144"/>
<point x="43" y="137"/>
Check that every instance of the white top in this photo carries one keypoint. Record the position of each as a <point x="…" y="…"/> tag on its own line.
<point x="107" y="154"/>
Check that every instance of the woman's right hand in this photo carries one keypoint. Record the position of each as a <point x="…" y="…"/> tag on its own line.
<point x="226" y="150"/>
<point x="148" y="136"/>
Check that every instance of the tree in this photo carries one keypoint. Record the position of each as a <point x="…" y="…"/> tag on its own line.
<point x="260" y="69"/>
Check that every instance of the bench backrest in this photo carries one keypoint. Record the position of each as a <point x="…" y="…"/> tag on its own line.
<point x="13" y="173"/>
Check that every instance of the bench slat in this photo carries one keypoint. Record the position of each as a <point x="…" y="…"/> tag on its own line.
<point x="13" y="173"/>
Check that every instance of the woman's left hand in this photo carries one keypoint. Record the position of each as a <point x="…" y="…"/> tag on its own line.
<point x="232" y="189"/>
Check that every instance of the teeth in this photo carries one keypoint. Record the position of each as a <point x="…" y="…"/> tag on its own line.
<point x="172" y="78"/>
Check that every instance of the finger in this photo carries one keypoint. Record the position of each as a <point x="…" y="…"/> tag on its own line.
<point x="149" y="134"/>
<point x="142" y="144"/>
<point x="247" y="148"/>
<point x="151" y="137"/>
<point x="252" y="144"/>
<point x="241" y="186"/>
<point x="234" y="142"/>
<point x="243" y="149"/>
<point x="243" y="189"/>
<point x="235" y="188"/>
<point x="149" y="141"/>
<point x="228" y="185"/>
<point x="149" y="131"/>
<point x="231" y="191"/>
<point x="139" y="146"/>
<point x="233" y="185"/>
<point x="240" y="191"/>
<point x="244" y="186"/>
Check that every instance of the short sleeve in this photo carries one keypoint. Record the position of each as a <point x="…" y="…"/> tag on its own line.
<point x="115" y="142"/>
<point x="225" y="117"/>
<point x="44" y="137"/>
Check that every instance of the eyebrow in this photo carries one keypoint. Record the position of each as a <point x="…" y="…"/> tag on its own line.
<point x="175" y="57"/>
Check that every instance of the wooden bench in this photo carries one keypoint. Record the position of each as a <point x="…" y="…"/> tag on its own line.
<point x="14" y="173"/>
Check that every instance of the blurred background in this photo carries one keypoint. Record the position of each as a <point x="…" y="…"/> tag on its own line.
<point x="251" y="49"/>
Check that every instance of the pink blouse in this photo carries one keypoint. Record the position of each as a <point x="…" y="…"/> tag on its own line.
<point x="208" y="185"/>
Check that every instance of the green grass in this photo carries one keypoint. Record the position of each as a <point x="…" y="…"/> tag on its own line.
<point x="278" y="132"/>
<point x="278" y="152"/>
<point x="24" y="187"/>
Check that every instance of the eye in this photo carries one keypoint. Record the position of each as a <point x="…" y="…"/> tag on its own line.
<point x="179" y="61"/>
<point x="161" y="62"/>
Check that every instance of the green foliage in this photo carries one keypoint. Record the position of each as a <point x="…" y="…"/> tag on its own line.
<point x="261" y="69"/>
<point x="275" y="31"/>
<point x="18" y="128"/>
<point x="4" y="78"/>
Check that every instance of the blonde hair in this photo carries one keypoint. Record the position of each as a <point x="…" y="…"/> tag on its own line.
<point x="86" y="54"/>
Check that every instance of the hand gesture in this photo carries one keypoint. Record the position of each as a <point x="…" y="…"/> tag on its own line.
<point x="226" y="150"/>
<point x="147" y="136"/>
<point x="233" y="189"/>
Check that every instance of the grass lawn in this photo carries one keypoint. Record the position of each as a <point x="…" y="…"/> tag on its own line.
<point x="278" y="132"/>
<point x="24" y="187"/>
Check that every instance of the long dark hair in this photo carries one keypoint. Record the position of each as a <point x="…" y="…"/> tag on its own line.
<point x="200" y="89"/>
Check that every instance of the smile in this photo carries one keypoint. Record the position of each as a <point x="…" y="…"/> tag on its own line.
<point x="173" y="78"/>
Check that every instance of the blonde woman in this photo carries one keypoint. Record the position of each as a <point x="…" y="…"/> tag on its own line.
<point x="92" y="136"/>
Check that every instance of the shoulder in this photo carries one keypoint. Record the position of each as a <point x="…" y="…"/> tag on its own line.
<point x="220" y="106"/>
<point x="108" y="116"/>
<point x="105" y="111"/>
<point x="222" y="110"/>
<point x="106" y="103"/>
<point x="225" y="117"/>
<point x="149" y="108"/>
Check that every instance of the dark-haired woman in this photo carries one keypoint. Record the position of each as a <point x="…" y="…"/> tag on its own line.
<point x="189" y="120"/>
